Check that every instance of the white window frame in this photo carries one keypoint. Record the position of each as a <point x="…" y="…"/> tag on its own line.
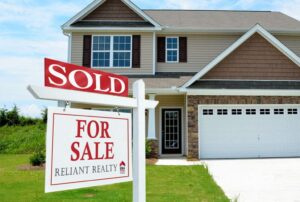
<point x="111" y="52"/>
<point x="172" y="49"/>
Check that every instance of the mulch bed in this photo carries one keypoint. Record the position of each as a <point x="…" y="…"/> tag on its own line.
<point x="30" y="167"/>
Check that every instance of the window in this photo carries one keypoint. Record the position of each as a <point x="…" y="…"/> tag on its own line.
<point x="111" y="51"/>
<point x="222" y="111"/>
<point x="292" y="111"/>
<point x="250" y="111"/>
<point x="236" y="112"/>
<point x="101" y="51"/>
<point x="278" y="111"/>
<point x="208" y="112"/>
<point x="264" y="111"/>
<point x="172" y="46"/>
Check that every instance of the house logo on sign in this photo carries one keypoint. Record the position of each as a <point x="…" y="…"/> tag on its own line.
<point x="122" y="167"/>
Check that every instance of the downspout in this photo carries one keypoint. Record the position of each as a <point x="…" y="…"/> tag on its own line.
<point x="154" y="54"/>
<point x="69" y="35"/>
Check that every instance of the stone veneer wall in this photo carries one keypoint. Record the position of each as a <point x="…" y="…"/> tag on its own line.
<point x="194" y="100"/>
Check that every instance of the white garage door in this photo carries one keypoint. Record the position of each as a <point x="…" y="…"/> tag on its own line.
<point x="249" y="131"/>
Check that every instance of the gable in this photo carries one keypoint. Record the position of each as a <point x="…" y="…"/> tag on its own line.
<point x="255" y="59"/>
<point x="113" y="10"/>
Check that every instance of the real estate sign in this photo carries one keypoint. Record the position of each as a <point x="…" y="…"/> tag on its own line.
<point x="87" y="148"/>
<point x="73" y="77"/>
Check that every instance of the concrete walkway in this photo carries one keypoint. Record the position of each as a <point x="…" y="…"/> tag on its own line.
<point x="259" y="180"/>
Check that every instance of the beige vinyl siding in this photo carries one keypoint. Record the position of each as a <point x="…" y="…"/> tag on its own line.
<point x="201" y="49"/>
<point x="292" y="42"/>
<point x="146" y="53"/>
<point x="170" y="101"/>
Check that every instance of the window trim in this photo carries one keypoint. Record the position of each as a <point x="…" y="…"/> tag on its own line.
<point x="111" y="51"/>
<point x="177" y="49"/>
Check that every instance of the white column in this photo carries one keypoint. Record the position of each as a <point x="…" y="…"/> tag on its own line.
<point x="139" y="138"/>
<point x="151" y="121"/>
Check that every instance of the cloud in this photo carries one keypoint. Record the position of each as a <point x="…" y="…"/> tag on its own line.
<point x="32" y="110"/>
<point x="291" y="8"/>
<point x="36" y="17"/>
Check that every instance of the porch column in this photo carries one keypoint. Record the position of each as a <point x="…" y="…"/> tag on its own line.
<point x="151" y="121"/>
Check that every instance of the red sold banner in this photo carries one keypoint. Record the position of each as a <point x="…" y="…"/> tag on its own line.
<point x="73" y="77"/>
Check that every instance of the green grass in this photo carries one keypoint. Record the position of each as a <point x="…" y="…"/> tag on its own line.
<point x="22" y="139"/>
<point x="164" y="183"/>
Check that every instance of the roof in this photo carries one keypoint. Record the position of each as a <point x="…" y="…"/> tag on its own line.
<point x="96" y="3"/>
<point x="111" y="24"/>
<point x="162" y="80"/>
<point x="214" y="20"/>
<point x="256" y="29"/>
<point x="222" y="84"/>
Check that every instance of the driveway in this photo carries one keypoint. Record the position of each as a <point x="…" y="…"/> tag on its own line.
<point x="259" y="180"/>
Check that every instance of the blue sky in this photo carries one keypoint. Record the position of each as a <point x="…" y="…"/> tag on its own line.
<point x="30" y="30"/>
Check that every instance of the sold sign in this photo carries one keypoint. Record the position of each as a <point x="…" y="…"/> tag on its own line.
<point x="72" y="77"/>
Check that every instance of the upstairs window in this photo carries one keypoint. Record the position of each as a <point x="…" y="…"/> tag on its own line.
<point x="172" y="47"/>
<point x="112" y="51"/>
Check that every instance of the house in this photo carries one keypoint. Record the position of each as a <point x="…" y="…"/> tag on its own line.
<point x="227" y="82"/>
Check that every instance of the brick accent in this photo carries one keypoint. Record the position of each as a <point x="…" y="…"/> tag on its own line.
<point x="154" y="149"/>
<point x="194" y="101"/>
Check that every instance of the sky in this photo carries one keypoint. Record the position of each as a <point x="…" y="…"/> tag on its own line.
<point x="30" y="31"/>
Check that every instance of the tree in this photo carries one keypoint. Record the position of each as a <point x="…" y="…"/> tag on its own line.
<point x="13" y="117"/>
<point x="44" y="115"/>
<point x="3" y="117"/>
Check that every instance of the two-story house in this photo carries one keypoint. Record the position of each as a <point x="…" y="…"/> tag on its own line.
<point x="227" y="82"/>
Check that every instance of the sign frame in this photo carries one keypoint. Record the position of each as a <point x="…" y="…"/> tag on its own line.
<point x="138" y="103"/>
<point x="55" y="112"/>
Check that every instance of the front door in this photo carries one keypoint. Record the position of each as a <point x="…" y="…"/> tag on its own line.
<point x="171" y="131"/>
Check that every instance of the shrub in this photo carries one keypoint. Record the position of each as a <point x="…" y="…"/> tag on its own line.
<point x="25" y="121"/>
<point x="38" y="158"/>
<point x="148" y="149"/>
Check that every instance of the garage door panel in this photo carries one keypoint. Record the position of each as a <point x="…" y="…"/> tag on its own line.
<point x="256" y="131"/>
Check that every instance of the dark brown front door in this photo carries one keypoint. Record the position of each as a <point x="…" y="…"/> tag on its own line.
<point x="171" y="131"/>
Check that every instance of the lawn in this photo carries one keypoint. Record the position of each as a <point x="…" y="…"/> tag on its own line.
<point x="164" y="183"/>
<point x="22" y="139"/>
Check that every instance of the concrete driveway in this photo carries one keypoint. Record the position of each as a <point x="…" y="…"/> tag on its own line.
<point x="265" y="180"/>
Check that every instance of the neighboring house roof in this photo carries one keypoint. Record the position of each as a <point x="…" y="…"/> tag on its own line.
<point x="256" y="29"/>
<point x="208" y="20"/>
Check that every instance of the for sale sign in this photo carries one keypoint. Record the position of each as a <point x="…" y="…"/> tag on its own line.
<point x="87" y="148"/>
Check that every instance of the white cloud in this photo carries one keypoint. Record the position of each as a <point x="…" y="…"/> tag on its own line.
<point x="36" y="17"/>
<point x="32" y="110"/>
<point x="291" y="8"/>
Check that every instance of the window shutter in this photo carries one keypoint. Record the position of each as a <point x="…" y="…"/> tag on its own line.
<point x="136" y="51"/>
<point x="87" y="45"/>
<point x="182" y="49"/>
<point x="161" y="49"/>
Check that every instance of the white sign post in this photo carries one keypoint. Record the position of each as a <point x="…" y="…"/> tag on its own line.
<point x="137" y="103"/>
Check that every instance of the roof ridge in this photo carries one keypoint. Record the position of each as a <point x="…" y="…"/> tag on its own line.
<point x="207" y="10"/>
